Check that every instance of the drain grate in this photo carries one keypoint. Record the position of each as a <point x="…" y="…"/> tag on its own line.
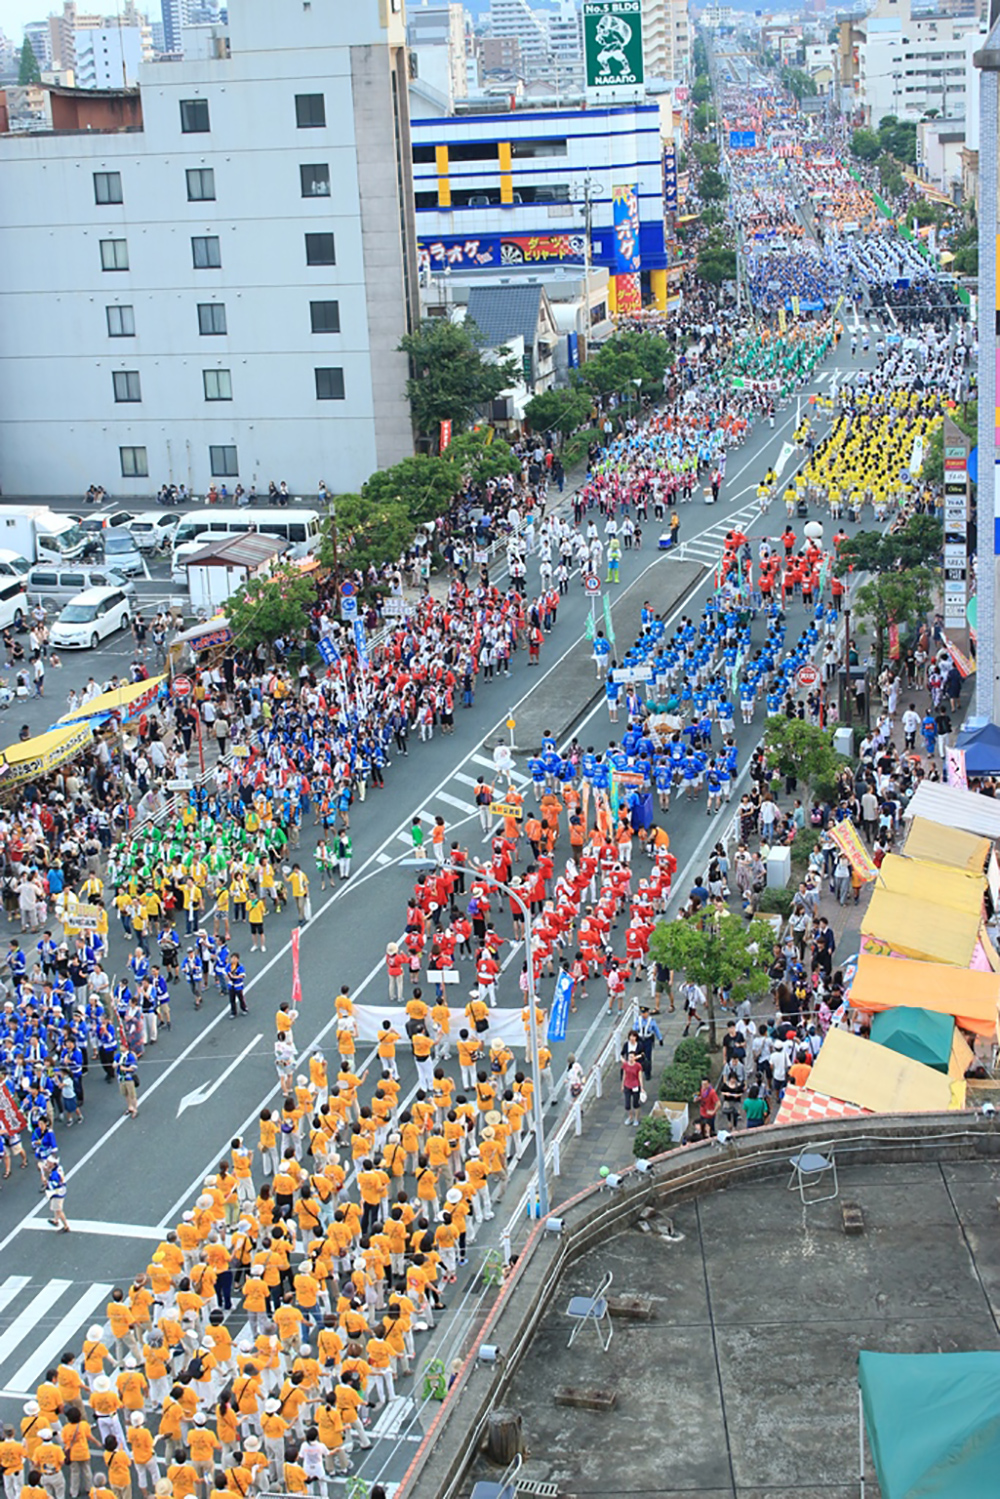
<point x="533" y="1489"/>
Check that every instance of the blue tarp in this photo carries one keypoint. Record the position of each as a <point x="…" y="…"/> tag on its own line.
<point x="982" y="750"/>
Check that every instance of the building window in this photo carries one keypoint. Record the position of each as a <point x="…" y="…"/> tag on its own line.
<point x="320" y="250"/>
<point x="135" y="464"/>
<point x="324" y="317"/>
<point x="126" y="384"/>
<point x="222" y="461"/>
<point x="107" y="187"/>
<point x="211" y="317"/>
<point x="121" y="322"/>
<point x="114" y="254"/>
<point x="523" y="150"/>
<point x="315" y="181"/>
<point x="205" y="252"/>
<point x="201" y="185"/>
<point x="330" y="385"/>
<point x="310" y="111"/>
<point x="194" y="116"/>
<point x="218" y="385"/>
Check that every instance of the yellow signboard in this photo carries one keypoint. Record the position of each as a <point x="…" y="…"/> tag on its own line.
<point x="507" y="809"/>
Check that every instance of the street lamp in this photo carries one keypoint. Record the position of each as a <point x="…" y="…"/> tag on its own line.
<point x="536" y="1092"/>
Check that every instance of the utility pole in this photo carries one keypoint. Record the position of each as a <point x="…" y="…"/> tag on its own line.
<point x="590" y="191"/>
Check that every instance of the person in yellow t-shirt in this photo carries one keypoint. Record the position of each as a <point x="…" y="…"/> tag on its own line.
<point x="256" y="909"/>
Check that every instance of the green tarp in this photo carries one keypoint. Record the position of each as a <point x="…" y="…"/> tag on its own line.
<point x="933" y="1423"/>
<point x="922" y="1035"/>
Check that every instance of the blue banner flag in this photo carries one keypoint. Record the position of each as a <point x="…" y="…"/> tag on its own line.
<point x="559" y="1013"/>
<point x="361" y="642"/>
<point x="328" y="651"/>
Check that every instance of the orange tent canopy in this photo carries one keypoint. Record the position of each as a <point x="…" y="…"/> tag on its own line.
<point x="884" y="983"/>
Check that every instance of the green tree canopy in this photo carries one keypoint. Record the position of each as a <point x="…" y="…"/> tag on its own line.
<point x="716" y="263"/>
<point x="559" y="411"/>
<point x="700" y="119"/>
<point x="898" y="598"/>
<point x="28" y="71"/>
<point x="452" y="376"/>
<point x="625" y="358"/>
<point x="701" y="90"/>
<point x="712" y="186"/>
<point x="265" y="609"/>
<point x="705" y="153"/>
<point x="365" y="531"/>
<point x="799" y="83"/>
<point x="917" y="544"/>
<point x="480" y="456"/>
<point x="424" y="485"/>
<point x="722" y="954"/>
<point x="797" y="748"/>
<point x="865" y="145"/>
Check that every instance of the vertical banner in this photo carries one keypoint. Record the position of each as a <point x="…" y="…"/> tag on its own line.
<point x="12" y="1121"/>
<point x="955" y="761"/>
<point x="296" y="981"/>
<point x="559" y="1013"/>
<point x="445" y="439"/>
<point x="893" y="642"/>
<point x="361" y="642"/>
<point x="670" y="178"/>
<point x="609" y="628"/>
<point x="625" y="211"/>
<point x="845" y="835"/>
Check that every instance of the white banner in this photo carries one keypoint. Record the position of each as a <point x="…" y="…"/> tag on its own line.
<point x="505" y="1025"/>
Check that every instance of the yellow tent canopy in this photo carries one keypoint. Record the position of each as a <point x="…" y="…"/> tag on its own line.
<point x="35" y="757"/>
<point x="884" y="983"/>
<point x="915" y="928"/>
<point x="956" y="888"/>
<point x="127" y="700"/>
<point x="943" y="845"/>
<point x="873" y="1077"/>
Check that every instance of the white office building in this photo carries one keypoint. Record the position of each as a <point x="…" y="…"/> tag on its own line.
<point x="109" y="57"/>
<point x="216" y="289"/>
<point x="910" y="64"/>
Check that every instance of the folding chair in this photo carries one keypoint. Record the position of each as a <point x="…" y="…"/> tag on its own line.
<point x="593" y="1309"/>
<point x="504" y="1487"/>
<point x="809" y="1168"/>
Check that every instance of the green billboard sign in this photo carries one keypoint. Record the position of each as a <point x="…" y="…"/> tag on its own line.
<point x="612" y="45"/>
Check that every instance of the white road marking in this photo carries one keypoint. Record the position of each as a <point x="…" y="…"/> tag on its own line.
<point x="33" y="1313"/>
<point x="33" y="1370"/>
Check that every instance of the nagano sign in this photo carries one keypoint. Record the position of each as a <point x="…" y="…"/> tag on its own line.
<point x="612" y="45"/>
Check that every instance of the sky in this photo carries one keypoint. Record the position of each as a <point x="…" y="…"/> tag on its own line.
<point x="15" y="13"/>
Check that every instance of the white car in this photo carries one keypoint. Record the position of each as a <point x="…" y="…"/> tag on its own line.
<point x="91" y="617"/>
<point x="12" y="564"/>
<point x="155" y="532"/>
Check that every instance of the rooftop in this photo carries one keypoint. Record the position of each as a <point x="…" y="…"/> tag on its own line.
<point x="744" y="1384"/>
<point x="248" y="549"/>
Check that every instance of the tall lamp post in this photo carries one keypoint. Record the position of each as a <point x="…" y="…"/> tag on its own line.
<point x="525" y="909"/>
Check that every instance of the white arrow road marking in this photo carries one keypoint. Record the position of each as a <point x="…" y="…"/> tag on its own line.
<point x="204" y="1093"/>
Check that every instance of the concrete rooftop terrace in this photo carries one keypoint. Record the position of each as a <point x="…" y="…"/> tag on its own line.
<point x="744" y="1386"/>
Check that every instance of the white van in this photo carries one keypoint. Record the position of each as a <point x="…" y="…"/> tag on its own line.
<point x="300" y="528"/>
<point x="13" y="602"/>
<point x="91" y="616"/>
<point x="12" y="564"/>
<point x="121" y="552"/>
<point x="58" y="584"/>
<point x="154" y="532"/>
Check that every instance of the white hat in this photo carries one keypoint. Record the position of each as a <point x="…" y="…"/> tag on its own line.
<point x="136" y="1418"/>
<point x="359" y="1265"/>
<point x="272" y="1407"/>
<point x="251" y="1444"/>
<point x="102" y="1384"/>
<point x="94" y="1333"/>
<point x="453" y="1194"/>
<point x="200" y="1418"/>
<point x="130" y="1361"/>
<point x="46" y="1434"/>
<point x="32" y="1407"/>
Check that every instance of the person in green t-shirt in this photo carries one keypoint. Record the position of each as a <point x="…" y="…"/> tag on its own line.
<point x="417" y="835"/>
<point x="755" y="1108"/>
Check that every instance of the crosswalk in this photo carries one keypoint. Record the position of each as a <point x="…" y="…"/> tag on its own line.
<point x="54" y="1315"/>
<point x="457" y="804"/>
<point x="709" y="545"/>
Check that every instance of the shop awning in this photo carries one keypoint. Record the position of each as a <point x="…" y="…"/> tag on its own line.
<point x="920" y="880"/>
<point x="953" y="808"/>
<point x="922" y="1035"/>
<point x="944" y="845"/>
<point x="914" y="928"/>
<point x="35" y="757"/>
<point x="933" y="1422"/>
<point x="886" y="983"/>
<point x="873" y="1077"/>
<point x="127" y="702"/>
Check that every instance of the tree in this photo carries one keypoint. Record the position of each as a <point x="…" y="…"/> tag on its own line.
<point x="966" y="262"/>
<point x="917" y="544"/>
<point x="268" y="608"/>
<point x="933" y="469"/>
<point x="716" y="263"/>
<point x="800" y="749"/>
<point x="799" y="83"/>
<point x="721" y="955"/>
<point x="625" y="358"/>
<point x="481" y="457"/>
<point x="923" y="212"/>
<point x="559" y="411"/>
<point x="705" y="153"/>
<point x="364" y="531"/>
<point x="893" y="599"/>
<point x="712" y="186"/>
<point x="452" y="377"/>
<point x="425" y="486"/>
<point x="700" y="119"/>
<point x="701" y="91"/>
<point x="865" y="145"/>
<point x="29" y="71"/>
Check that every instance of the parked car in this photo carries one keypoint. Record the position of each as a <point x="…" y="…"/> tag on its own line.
<point x="153" y="532"/>
<point x="60" y="584"/>
<point x="12" y="564"/>
<point x="91" y="617"/>
<point x="121" y="551"/>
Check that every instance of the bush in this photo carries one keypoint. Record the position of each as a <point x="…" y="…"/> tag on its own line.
<point x="574" y="449"/>
<point x="776" y="902"/>
<point x="652" y="1137"/>
<point x="680" y="1082"/>
<point x="691" y="1051"/>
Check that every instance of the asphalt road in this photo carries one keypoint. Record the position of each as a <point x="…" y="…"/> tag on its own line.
<point x="129" y="1181"/>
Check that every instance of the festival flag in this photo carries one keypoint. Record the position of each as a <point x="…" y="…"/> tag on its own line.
<point x="965" y="665"/>
<point x="444" y="439"/>
<point x="296" y="981"/>
<point x="955" y="762"/>
<point x="589" y="630"/>
<point x="12" y="1121"/>
<point x="609" y="628"/>
<point x="847" y="838"/>
<point x="559" y="1013"/>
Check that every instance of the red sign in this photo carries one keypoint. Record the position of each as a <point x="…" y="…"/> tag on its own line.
<point x="807" y="676"/>
<point x="181" y="687"/>
<point x="445" y="439"/>
<point x="12" y="1121"/>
